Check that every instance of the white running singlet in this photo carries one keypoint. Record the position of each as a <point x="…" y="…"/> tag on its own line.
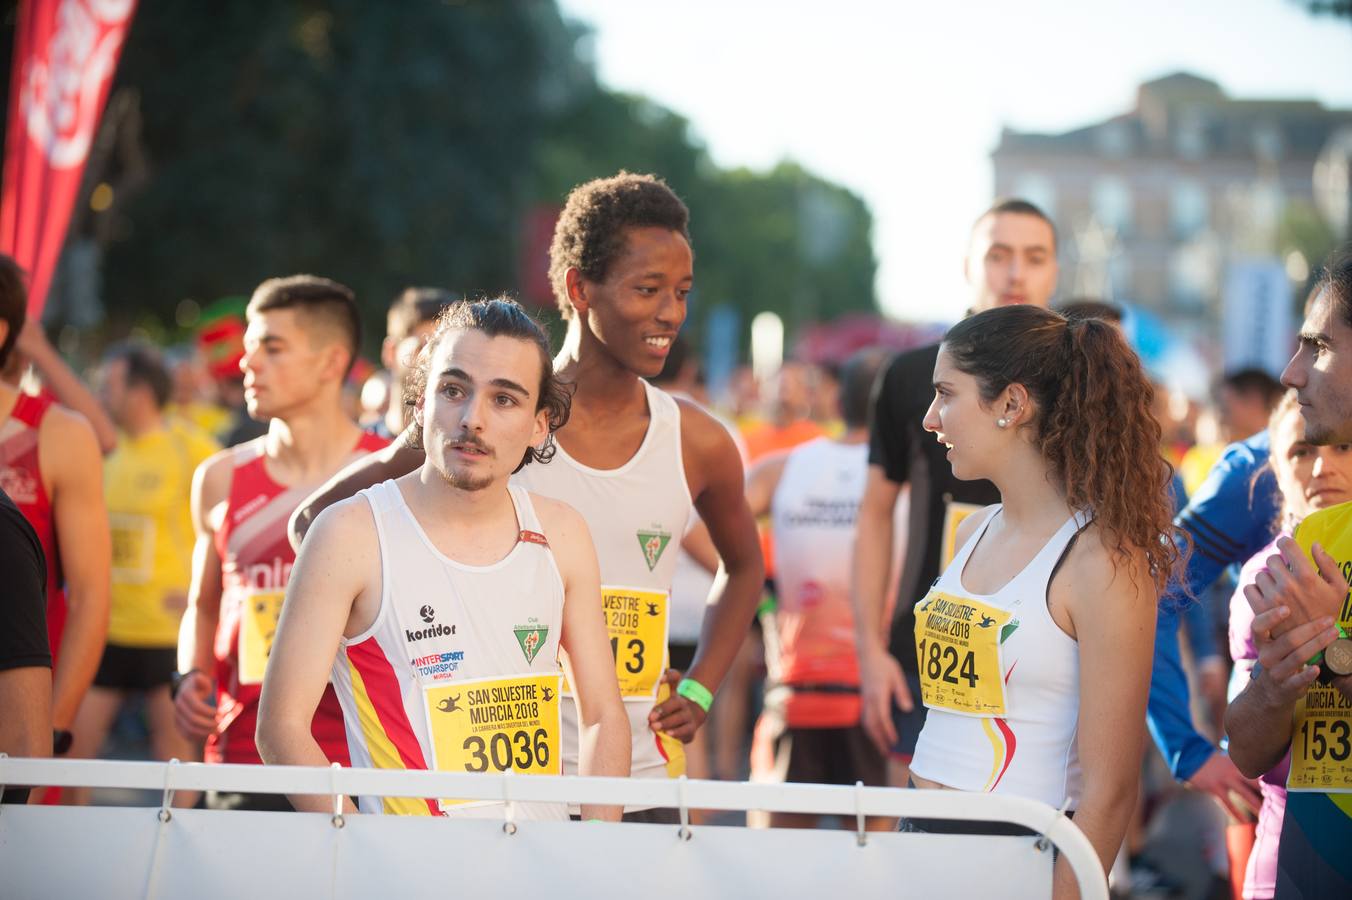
<point x="1001" y="681"/>
<point x="637" y="514"/>
<point x="459" y="671"/>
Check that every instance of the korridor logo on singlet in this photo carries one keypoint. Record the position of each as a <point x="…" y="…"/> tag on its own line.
<point x="653" y="543"/>
<point x="531" y="638"/>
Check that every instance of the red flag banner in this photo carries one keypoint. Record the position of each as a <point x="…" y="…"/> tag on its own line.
<point x="65" y="52"/>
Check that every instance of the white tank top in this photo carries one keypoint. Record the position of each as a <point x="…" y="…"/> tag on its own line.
<point x="441" y="626"/>
<point x="1031" y="750"/>
<point x="637" y="515"/>
<point x="813" y="515"/>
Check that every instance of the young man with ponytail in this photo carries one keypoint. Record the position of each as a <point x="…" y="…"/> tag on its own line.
<point x="1035" y="643"/>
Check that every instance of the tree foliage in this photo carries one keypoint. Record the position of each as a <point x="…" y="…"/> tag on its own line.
<point x="388" y="144"/>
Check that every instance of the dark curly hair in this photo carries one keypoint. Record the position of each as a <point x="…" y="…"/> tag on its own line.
<point x="590" y="232"/>
<point x="1092" y="422"/>
<point x="495" y="317"/>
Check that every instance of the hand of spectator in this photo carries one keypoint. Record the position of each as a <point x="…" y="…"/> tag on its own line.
<point x="193" y="714"/>
<point x="881" y="682"/>
<point x="1290" y="580"/>
<point x="1237" y="795"/>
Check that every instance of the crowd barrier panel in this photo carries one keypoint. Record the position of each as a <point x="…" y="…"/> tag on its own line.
<point x="165" y="852"/>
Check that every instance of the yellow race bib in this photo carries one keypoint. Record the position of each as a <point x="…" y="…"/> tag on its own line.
<point x="133" y="547"/>
<point x="1321" y="742"/>
<point x="957" y="642"/>
<point x="954" y="513"/>
<point x="636" y="621"/>
<point x="496" y="725"/>
<point x="257" y="628"/>
<point x="1321" y="734"/>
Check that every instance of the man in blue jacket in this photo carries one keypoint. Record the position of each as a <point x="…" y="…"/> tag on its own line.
<point x="1230" y="518"/>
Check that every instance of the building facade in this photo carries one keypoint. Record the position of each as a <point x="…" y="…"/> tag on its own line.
<point x="1153" y="205"/>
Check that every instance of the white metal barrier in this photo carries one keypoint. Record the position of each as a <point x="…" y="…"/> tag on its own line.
<point x="115" y="852"/>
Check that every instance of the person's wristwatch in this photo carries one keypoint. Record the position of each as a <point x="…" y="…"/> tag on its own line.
<point x="61" y="741"/>
<point x="176" y="681"/>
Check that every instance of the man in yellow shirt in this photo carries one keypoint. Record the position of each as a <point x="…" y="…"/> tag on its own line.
<point x="147" y="486"/>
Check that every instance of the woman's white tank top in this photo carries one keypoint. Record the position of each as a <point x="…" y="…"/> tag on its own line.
<point x="1025" y="745"/>
<point x="435" y="661"/>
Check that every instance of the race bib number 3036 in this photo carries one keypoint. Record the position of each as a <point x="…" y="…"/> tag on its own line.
<point x="957" y="642"/>
<point x="496" y="724"/>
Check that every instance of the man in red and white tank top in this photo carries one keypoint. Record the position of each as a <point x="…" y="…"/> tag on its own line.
<point x="302" y="336"/>
<point x="448" y="593"/>
<point x="51" y="467"/>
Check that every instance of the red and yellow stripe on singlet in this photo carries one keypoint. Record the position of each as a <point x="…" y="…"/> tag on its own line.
<point x="385" y="727"/>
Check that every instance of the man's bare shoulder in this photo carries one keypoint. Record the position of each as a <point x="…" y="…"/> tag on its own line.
<point x="211" y="481"/>
<point x="349" y="524"/>
<point x="704" y="433"/>
<point x="66" y="441"/>
<point x="558" y="519"/>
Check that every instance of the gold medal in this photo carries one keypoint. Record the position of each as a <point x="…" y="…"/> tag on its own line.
<point x="1338" y="657"/>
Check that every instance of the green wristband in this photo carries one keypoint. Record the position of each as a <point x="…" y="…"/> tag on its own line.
<point x="696" y="693"/>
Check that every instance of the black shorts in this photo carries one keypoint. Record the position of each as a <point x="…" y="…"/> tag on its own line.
<point x="136" y="668"/>
<point x="908" y="724"/>
<point x="781" y="753"/>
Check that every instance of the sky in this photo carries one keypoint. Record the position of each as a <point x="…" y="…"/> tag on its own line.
<point x="903" y="102"/>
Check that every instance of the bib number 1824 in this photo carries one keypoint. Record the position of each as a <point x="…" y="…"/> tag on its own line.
<point x="943" y="662"/>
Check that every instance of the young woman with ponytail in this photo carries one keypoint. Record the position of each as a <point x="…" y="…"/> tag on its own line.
<point x="1035" y="643"/>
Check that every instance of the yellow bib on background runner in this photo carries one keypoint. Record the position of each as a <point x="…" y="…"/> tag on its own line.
<point x="957" y="642"/>
<point x="636" y="623"/>
<point x="954" y="513"/>
<point x="257" y="628"/>
<point x="133" y="547"/>
<point x="1321" y="733"/>
<point x="496" y="725"/>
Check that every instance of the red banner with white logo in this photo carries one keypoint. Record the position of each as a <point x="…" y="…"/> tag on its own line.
<point x="65" y="52"/>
